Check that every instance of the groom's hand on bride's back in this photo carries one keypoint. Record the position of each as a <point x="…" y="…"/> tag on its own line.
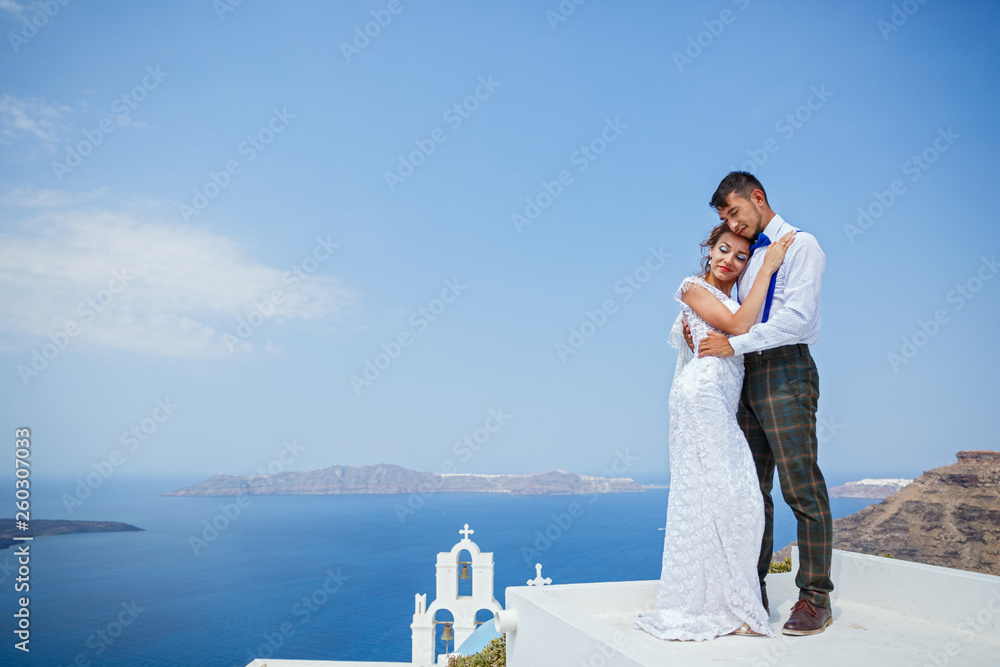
<point x="715" y="345"/>
<point x="687" y="335"/>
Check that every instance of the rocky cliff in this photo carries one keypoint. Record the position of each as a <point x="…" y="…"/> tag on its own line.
<point x="385" y="478"/>
<point x="948" y="516"/>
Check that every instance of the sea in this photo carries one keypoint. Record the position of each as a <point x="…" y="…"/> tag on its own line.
<point x="222" y="581"/>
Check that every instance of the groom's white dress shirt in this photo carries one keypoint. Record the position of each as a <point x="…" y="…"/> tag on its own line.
<point x="795" y="310"/>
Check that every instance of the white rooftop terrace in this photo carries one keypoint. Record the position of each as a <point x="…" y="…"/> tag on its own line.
<point x="886" y="612"/>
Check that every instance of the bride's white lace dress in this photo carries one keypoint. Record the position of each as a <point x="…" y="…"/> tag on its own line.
<point x="715" y="511"/>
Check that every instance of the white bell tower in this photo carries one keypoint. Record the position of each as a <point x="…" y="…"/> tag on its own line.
<point x="463" y="608"/>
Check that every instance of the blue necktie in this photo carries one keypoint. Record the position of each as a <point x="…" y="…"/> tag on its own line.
<point x="762" y="242"/>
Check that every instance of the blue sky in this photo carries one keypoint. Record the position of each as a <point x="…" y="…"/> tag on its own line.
<point x="169" y="170"/>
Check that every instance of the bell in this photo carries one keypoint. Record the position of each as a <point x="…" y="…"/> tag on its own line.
<point x="447" y="635"/>
<point x="465" y="571"/>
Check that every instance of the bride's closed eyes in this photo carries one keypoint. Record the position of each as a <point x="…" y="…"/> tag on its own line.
<point x="724" y="247"/>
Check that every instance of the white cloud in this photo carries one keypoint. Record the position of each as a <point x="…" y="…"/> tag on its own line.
<point x="32" y="116"/>
<point x="11" y="6"/>
<point x="184" y="287"/>
<point x="28" y="197"/>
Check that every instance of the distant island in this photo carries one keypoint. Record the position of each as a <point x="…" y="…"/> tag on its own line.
<point x="42" y="527"/>
<point x="948" y="516"/>
<point x="385" y="479"/>
<point x="869" y="488"/>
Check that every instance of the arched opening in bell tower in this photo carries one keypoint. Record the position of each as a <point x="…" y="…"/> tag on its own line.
<point x="464" y="573"/>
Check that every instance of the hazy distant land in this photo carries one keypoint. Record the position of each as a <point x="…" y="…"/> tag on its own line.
<point x="869" y="488"/>
<point x="42" y="527"/>
<point x="385" y="478"/>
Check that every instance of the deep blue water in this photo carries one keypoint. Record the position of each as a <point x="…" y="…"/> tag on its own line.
<point x="219" y="607"/>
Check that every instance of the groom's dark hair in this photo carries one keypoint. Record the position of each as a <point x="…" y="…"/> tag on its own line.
<point x="743" y="183"/>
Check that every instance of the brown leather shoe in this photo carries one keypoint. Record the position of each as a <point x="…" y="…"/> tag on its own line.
<point x="807" y="619"/>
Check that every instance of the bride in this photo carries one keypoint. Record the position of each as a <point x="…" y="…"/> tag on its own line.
<point x="715" y="510"/>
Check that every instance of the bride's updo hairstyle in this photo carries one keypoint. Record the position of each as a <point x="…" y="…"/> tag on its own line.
<point x="708" y="244"/>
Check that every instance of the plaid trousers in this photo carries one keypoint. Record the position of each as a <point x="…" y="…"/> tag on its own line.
<point x="777" y="413"/>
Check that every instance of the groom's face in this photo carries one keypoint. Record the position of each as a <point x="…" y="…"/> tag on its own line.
<point x="742" y="216"/>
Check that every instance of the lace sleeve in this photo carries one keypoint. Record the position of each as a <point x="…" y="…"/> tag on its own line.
<point x="691" y="281"/>
<point x="686" y="285"/>
<point x="676" y="340"/>
<point x="684" y="353"/>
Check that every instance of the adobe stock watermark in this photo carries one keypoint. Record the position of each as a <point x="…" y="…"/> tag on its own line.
<point x="827" y="429"/>
<point x="47" y="10"/>
<point x="454" y="116"/>
<point x="581" y="158"/>
<point x="982" y="623"/>
<point x="131" y="440"/>
<point x="249" y="148"/>
<point x="88" y="310"/>
<point x="714" y="28"/>
<point x="7" y="569"/>
<point x="463" y="448"/>
<point x="229" y="512"/>
<point x="594" y="320"/>
<point x="106" y="635"/>
<point x="606" y="650"/>
<point x="562" y="522"/>
<point x="562" y="12"/>
<point x="121" y="107"/>
<point x="959" y="297"/>
<point x="772" y="653"/>
<point x="302" y="611"/>
<point x="787" y="126"/>
<point x="915" y="167"/>
<point x="263" y="308"/>
<point x="419" y="320"/>
<point x="381" y="18"/>
<point x="223" y="7"/>
<point x="898" y="17"/>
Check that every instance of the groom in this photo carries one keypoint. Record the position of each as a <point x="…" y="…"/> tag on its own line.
<point x="777" y="409"/>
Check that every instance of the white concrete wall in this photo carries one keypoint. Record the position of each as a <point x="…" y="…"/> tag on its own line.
<point x="555" y="632"/>
<point x="940" y="595"/>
